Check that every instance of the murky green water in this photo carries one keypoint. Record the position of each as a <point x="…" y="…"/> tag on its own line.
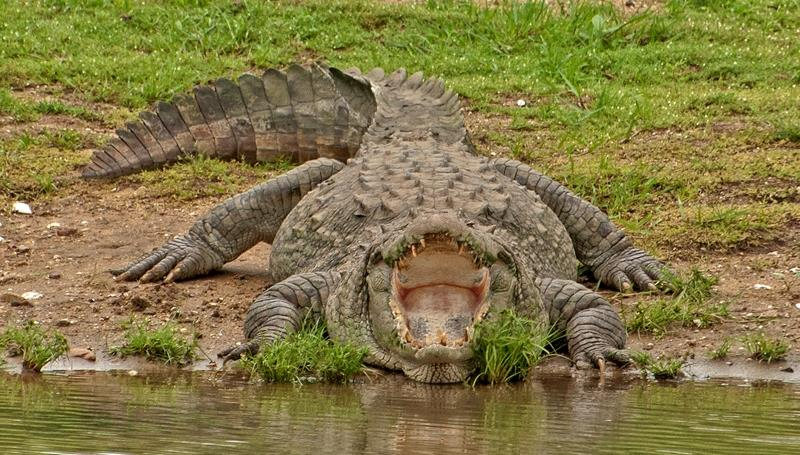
<point x="102" y="413"/>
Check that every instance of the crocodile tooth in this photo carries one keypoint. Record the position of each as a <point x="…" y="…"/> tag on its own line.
<point x="461" y="249"/>
<point x="442" y="337"/>
<point x="413" y="250"/>
<point x="422" y="242"/>
<point x="468" y="332"/>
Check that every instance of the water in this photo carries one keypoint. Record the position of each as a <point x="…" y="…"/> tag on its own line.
<point x="202" y="413"/>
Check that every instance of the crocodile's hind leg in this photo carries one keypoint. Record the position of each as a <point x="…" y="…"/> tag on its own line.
<point x="281" y="310"/>
<point x="592" y="327"/>
<point x="598" y="244"/>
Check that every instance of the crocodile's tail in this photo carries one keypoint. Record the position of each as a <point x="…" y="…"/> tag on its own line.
<point x="302" y="114"/>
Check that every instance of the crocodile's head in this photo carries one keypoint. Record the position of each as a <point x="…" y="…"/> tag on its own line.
<point x="421" y="293"/>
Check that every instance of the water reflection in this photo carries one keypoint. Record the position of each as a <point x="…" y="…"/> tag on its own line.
<point x="185" y="413"/>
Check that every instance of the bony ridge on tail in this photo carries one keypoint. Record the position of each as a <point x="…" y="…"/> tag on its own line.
<point x="392" y="230"/>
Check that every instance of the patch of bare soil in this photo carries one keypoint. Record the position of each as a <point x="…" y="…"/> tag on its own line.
<point x="65" y="249"/>
<point x="763" y="296"/>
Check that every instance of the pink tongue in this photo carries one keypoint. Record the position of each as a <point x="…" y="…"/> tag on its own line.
<point x="431" y="310"/>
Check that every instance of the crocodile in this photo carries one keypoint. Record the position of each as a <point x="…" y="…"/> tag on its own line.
<point x="391" y="229"/>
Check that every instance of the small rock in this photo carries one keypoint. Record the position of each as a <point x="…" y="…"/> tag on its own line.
<point x="23" y="208"/>
<point x="132" y="372"/>
<point x="773" y="253"/>
<point x="630" y="3"/>
<point x="521" y="103"/>
<point x="53" y="225"/>
<point x="64" y="323"/>
<point x="31" y="295"/>
<point x="761" y="286"/>
<point x="22" y="249"/>
<point x="14" y="300"/>
<point x="787" y="370"/>
<point x="183" y="330"/>
<point x="83" y="353"/>
<point x="797" y="305"/>
<point x="54" y="275"/>
<point x="66" y="232"/>
<point x="648" y="346"/>
<point x="139" y="303"/>
<point x="729" y="363"/>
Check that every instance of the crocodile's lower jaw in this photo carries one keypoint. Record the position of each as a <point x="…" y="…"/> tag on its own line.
<point x="439" y="373"/>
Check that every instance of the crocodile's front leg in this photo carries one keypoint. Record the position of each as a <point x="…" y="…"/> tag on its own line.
<point x="593" y="329"/>
<point x="281" y="310"/>
<point x="232" y="227"/>
<point x="598" y="244"/>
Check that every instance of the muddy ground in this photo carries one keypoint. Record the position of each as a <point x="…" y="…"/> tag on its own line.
<point x="66" y="247"/>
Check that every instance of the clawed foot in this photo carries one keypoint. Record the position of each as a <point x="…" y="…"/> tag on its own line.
<point x="182" y="257"/>
<point x="236" y="352"/>
<point x="630" y="269"/>
<point x="597" y="358"/>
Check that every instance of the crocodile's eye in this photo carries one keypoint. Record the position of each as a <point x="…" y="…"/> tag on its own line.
<point x="501" y="279"/>
<point x="378" y="278"/>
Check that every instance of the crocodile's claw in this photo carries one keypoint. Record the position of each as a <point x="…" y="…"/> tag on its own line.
<point x="236" y="352"/>
<point x="597" y="358"/>
<point x="630" y="269"/>
<point x="183" y="257"/>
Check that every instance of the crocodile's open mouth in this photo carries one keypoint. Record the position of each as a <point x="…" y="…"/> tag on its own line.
<point x="439" y="289"/>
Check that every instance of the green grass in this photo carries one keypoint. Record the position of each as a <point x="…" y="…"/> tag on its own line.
<point x="722" y="351"/>
<point x="36" y="347"/>
<point x="687" y="306"/>
<point x="765" y="349"/>
<point x="666" y="368"/>
<point x="506" y="347"/>
<point x="654" y="117"/>
<point x="35" y="166"/>
<point x="27" y="111"/>
<point x="163" y="344"/>
<point x="307" y="355"/>
<point x="200" y="176"/>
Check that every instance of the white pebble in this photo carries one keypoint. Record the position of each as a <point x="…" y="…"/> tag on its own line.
<point x="761" y="286"/>
<point x="521" y="103"/>
<point x="53" y="225"/>
<point x="31" y="295"/>
<point x="23" y="208"/>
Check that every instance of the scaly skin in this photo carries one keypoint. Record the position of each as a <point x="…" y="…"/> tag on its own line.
<point x="358" y="244"/>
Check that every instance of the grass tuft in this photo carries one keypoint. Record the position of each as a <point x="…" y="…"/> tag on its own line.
<point x="508" y="346"/>
<point x="765" y="349"/>
<point x="788" y="133"/>
<point x="200" y="176"/>
<point x="722" y="351"/>
<point x="304" y="356"/>
<point x="667" y="368"/>
<point x="688" y="306"/>
<point x="164" y="344"/>
<point x="57" y="107"/>
<point x="16" y="109"/>
<point x="36" y="347"/>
